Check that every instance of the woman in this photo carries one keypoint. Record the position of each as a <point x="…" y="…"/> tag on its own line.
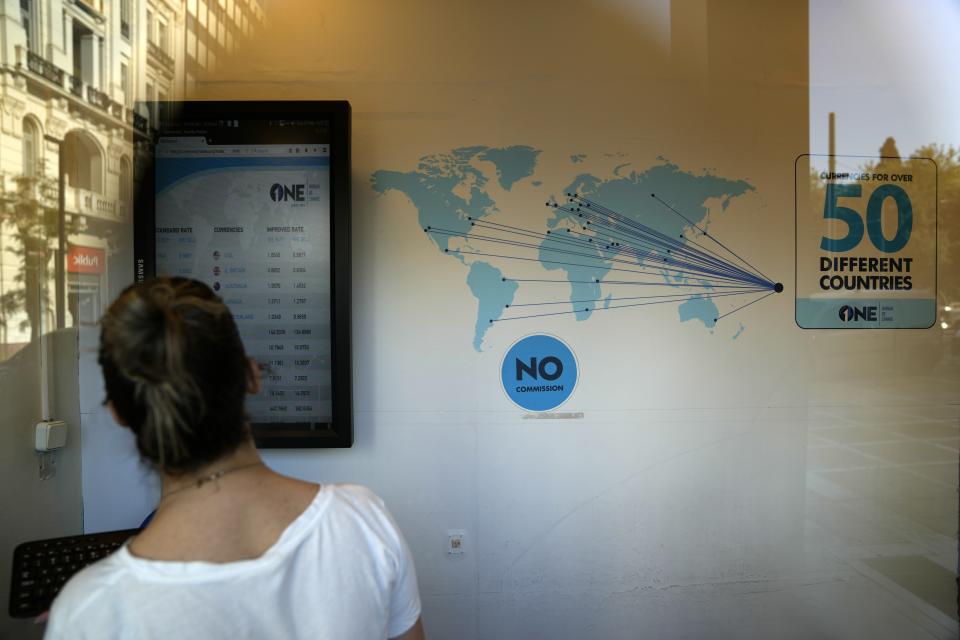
<point x="235" y="550"/>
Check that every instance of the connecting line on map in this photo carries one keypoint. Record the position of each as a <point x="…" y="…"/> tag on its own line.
<point x="594" y="238"/>
<point x="690" y="254"/>
<point x="701" y="296"/>
<point x="706" y="234"/>
<point x="668" y="297"/>
<point x="744" y="306"/>
<point x="658" y="283"/>
<point x="569" y="249"/>
<point x="557" y="262"/>
<point x="617" y="244"/>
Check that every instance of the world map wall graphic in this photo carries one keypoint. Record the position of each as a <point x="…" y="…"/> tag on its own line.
<point x="623" y="239"/>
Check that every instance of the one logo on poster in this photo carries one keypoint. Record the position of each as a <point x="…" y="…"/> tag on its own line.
<point x="851" y="314"/>
<point x="283" y="193"/>
<point x="539" y="372"/>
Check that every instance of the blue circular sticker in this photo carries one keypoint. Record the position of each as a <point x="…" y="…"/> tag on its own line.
<point x="539" y="372"/>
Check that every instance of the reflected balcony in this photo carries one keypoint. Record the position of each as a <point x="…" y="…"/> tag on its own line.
<point x="95" y="205"/>
<point x="45" y="69"/>
<point x="162" y="57"/>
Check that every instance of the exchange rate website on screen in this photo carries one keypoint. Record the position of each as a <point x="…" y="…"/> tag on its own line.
<point x="253" y="222"/>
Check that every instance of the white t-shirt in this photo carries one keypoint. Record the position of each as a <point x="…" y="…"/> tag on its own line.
<point x="340" y="570"/>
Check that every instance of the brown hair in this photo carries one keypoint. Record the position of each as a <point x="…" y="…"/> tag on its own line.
<point x="175" y="370"/>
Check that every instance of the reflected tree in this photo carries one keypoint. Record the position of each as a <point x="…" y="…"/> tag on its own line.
<point x="29" y="217"/>
<point x="947" y="196"/>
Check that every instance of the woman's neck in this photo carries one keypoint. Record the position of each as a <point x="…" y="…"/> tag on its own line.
<point x="241" y="460"/>
<point x="237" y="515"/>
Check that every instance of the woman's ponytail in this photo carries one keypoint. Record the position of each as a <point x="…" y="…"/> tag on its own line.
<point x="175" y="371"/>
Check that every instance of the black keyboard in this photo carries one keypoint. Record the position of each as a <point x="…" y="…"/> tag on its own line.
<point x="42" y="567"/>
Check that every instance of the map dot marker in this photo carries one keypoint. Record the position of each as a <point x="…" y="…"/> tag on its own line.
<point x="778" y="287"/>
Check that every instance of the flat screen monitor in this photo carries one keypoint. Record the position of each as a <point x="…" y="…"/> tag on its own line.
<point x="253" y="198"/>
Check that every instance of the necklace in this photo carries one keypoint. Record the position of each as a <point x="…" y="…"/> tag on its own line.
<point x="216" y="475"/>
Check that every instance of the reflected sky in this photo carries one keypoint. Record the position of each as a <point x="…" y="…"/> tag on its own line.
<point x="886" y="68"/>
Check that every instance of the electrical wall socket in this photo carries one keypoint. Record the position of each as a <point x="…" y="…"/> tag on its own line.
<point x="456" y="542"/>
<point x="50" y="435"/>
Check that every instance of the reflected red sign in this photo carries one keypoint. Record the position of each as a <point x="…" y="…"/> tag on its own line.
<point x="85" y="259"/>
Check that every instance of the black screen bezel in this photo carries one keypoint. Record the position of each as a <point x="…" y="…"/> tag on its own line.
<point x="339" y="433"/>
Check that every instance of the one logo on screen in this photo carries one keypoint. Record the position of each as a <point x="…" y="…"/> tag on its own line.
<point x="539" y="372"/>
<point x="852" y="314"/>
<point x="287" y="192"/>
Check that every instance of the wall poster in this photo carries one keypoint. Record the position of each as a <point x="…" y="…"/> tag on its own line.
<point x="866" y="234"/>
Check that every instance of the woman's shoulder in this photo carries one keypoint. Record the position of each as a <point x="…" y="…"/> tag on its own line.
<point x="92" y="585"/>
<point x="361" y="505"/>
<point x="355" y="494"/>
<point x="354" y="499"/>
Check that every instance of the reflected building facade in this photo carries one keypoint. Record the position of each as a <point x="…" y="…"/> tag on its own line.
<point x="82" y="82"/>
